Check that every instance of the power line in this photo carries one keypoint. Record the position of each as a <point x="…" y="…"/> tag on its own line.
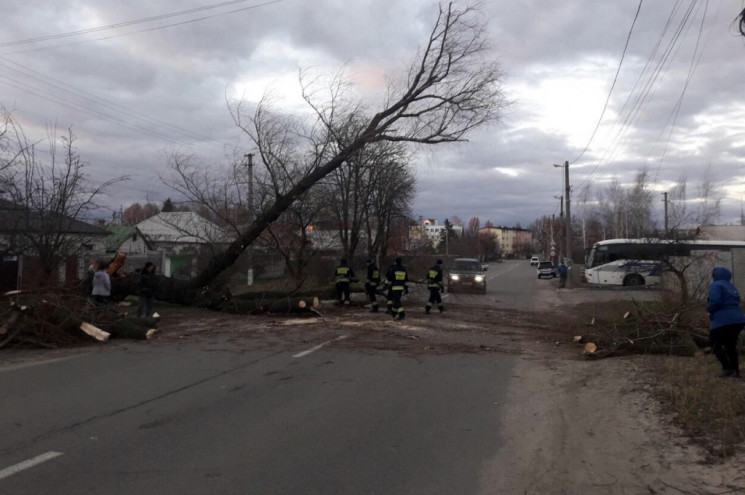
<point x="615" y="79"/>
<point x="119" y="25"/>
<point x="640" y="96"/>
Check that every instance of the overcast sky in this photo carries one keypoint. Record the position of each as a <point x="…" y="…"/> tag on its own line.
<point x="148" y="83"/>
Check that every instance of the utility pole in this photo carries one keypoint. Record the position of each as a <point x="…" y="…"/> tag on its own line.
<point x="665" y="201"/>
<point x="568" y="225"/>
<point x="250" y="164"/>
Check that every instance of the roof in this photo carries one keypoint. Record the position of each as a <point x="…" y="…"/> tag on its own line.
<point x="181" y="227"/>
<point x="15" y="218"/>
<point x="119" y="234"/>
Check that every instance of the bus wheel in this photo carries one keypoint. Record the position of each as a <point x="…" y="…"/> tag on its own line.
<point x="633" y="280"/>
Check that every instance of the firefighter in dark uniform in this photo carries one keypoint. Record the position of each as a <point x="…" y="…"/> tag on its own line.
<point x="435" y="286"/>
<point x="371" y="285"/>
<point x="344" y="275"/>
<point x="398" y="280"/>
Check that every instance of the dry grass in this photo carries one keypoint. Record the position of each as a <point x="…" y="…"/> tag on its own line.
<point x="710" y="409"/>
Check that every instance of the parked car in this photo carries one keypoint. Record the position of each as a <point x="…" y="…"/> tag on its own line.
<point x="467" y="273"/>
<point x="534" y="261"/>
<point x="546" y="269"/>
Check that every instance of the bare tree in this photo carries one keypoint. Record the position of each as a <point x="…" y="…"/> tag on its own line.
<point x="451" y="88"/>
<point x="136" y="213"/>
<point x="52" y="197"/>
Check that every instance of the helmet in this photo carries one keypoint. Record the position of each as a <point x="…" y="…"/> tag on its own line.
<point x="439" y="262"/>
<point x="399" y="260"/>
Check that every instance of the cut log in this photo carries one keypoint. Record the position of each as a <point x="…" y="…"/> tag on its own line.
<point x="132" y="328"/>
<point x="116" y="263"/>
<point x="577" y="339"/>
<point x="12" y="293"/>
<point x="95" y="332"/>
<point x="590" y="348"/>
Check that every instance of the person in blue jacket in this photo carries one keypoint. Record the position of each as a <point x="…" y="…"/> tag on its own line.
<point x="727" y="320"/>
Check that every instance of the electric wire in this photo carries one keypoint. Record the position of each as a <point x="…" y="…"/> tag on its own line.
<point x="144" y="20"/>
<point x="615" y="79"/>
<point x="641" y="95"/>
<point x="55" y="87"/>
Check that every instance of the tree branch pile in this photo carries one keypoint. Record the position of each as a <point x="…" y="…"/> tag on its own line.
<point x="643" y="331"/>
<point x="56" y="319"/>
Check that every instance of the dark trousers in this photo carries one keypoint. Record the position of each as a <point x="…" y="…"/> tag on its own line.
<point x="342" y="288"/>
<point x="398" y="308"/>
<point x="434" y="297"/>
<point x="724" y="345"/>
<point x="145" y="306"/>
<point x="372" y="295"/>
<point x="562" y="282"/>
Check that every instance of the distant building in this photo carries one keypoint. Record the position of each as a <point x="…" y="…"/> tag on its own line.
<point x="428" y="231"/>
<point x="514" y="242"/>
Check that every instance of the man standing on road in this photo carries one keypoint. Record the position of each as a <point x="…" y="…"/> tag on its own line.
<point x="344" y="275"/>
<point x="398" y="279"/>
<point x="563" y="274"/>
<point x="435" y="286"/>
<point x="371" y="284"/>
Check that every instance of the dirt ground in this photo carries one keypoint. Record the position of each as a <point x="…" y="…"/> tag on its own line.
<point x="572" y="425"/>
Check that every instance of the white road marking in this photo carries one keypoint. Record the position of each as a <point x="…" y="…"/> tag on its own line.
<point x="319" y="346"/>
<point x="10" y="471"/>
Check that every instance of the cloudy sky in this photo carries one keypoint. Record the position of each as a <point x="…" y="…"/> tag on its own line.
<point x="139" y="80"/>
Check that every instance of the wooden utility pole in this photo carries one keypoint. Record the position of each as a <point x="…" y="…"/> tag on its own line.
<point x="568" y="225"/>
<point x="250" y="164"/>
<point x="665" y="201"/>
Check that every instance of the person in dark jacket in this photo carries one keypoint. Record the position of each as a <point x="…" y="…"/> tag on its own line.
<point x="727" y="320"/>
<point x="398" y="280"/>
<point x="343" y="276"/>
<point x="371" y="285"/>
<point x="563" y="271"/>
<point x="148" y="285"/>
<point x="435" y="286"/>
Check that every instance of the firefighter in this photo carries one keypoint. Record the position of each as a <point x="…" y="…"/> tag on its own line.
<point x="371" y="284"/>
<point x="344" y="275"/>
<point x="398" y="280"/>
<point x="435" y="286"/>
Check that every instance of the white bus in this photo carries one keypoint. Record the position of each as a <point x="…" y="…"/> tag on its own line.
<point x="633" y="262"/>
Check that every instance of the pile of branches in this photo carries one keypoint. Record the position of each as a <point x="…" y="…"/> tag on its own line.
<point x="57" y="318"/>
<point x="645" y="330"/>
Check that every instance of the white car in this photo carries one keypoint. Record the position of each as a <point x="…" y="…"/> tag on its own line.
<point x="534" y="261"/>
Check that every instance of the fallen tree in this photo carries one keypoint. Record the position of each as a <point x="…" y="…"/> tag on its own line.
<point x="452" y="87"/>
<point x="55" y="318"/>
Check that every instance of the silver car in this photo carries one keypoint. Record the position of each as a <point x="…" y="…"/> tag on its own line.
<point x="546" y="269"/>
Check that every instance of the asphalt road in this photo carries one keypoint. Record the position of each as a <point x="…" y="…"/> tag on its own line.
<point x="219" y="415"/>
<point x="267" y="414"/>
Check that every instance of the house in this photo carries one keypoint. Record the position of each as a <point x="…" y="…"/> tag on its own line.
<point x="179" y="231"/>
<point x="126" y="239"/>
<point x="42" y="248"/>
<point x="184" y="238"/>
